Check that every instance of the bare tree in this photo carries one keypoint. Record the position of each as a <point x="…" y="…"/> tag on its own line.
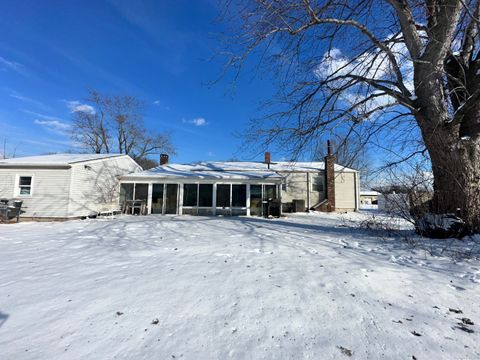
<point x="403" y="73"/>
<point x="349" y="152"/>
<point x="115" y="124"/>
<point x="5" y="153"/>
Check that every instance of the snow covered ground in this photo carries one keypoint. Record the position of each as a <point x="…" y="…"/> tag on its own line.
<point x="312" y="286"/>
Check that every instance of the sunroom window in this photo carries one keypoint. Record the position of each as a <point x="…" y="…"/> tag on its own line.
<point x="126" y="192"/>
<point x="239" y="195"/>
<point x="190" y="192"/>
<point x="25" y="185"/>
<point x="205" y="192"/>
<point x="223" y="195"/>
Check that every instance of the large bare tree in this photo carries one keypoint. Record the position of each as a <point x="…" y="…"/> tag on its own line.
<point x="114" y="124"/>
<point x="401" y="73"/>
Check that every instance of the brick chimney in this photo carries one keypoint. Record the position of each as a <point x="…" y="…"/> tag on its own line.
<point x="163" y="159"/>
<point x="267" y="157"/>
<point x="330" y="179"/>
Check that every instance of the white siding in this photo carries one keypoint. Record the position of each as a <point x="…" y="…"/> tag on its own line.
<point x="95" y="185"/>
<point x="298" y="187"/>
<point x="50" y="189"/>
<point x="345" y="191"/>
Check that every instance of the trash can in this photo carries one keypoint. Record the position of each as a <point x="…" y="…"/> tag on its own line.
<point x="274" y="208"/>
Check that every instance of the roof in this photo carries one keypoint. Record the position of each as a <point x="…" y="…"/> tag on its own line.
<point x="232" y="170"/>
<point x="369" y="193"/>
<point x="280" y="166"/>
<point x="204" y="171"/>
<point x="54" y="160"/>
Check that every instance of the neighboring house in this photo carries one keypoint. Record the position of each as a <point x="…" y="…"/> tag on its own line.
<point x="242" y="188"/>
<point x="369" y="197"/>
<point x="65" y="185"/>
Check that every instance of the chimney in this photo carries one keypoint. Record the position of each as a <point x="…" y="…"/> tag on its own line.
<point x="163" y="159"/>
<point x="267" y="157"/>
<point x="330" y="178"/>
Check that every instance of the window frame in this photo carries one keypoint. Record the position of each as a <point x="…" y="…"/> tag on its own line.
<point x="18" y="186"/>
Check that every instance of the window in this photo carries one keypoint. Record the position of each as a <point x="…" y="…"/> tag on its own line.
<point x="318" y="183"/>
<point x="190" y="192"/>
<point x="223" y="195"/>
<point x="285" y="184"/>
<point x="270" y="192"/>
<point x="126" y="192"/>
<point x="205" y="192"/>
<point x="141" y="192"/>
<point x="157" y="198"/>
<point x="239" y="195"/>
<point x="256" y="200"/>
<point x="25" y="185"/>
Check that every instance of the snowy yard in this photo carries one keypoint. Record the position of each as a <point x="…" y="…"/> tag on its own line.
<point x="305" y="287"/>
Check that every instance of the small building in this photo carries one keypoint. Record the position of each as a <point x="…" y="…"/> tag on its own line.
<point x="243" y="187"/>
<point x="369" y="197"/>
<point x="64" y="186"/>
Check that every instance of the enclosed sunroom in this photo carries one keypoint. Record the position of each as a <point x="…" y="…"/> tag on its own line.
<point x="202" y="189"/>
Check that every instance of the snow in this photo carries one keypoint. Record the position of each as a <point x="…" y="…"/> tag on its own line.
<point x="195" y="171"/>
<point x="55" y="159"/>
<point x="369" y="193"/>
<point x="232" y="170"/>
<point x="310" y="286"/>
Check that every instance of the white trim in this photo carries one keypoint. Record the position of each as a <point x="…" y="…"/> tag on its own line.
<point x="214" y="198"/>
<point x="16" y="192"/>
<point x="149" y="198"/>
<point x="248" y="199"/>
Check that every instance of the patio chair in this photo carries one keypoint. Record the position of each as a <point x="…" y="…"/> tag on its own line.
<point x="10" y="210"/>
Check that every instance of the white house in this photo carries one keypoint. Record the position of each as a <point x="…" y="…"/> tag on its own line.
<point x="242" y="188"/>
<point x="65" y="185"/>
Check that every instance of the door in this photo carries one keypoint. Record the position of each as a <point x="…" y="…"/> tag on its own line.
<point x="157" y="198"/>
<point x="256" y="200"/>
<point x="171" y="199"/>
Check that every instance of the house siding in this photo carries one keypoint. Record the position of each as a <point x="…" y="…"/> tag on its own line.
<point x="50" y="191"/>
<point x="302" y="186"/>
<point x="95" y="184"/>
<point x="346" y="191"/>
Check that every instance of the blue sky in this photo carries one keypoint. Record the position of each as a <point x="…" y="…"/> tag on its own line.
<point x="51" y="52"/>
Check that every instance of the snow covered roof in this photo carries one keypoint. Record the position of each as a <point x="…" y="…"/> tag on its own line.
<point x="204" y="171"/>
<point x="54" y="160"/>
<point x="232" y="170"/>
<point x="279" y="166"/>
<point x="369" y="193"/>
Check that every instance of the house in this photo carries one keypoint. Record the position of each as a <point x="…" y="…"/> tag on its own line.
<point x="369" y="197"/>
<point x="242" y="187"/>
<point x="63" y="186"/>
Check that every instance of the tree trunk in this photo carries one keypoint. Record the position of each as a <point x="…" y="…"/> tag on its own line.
<point x="453" y="146"/>
<point x="456" y="171"/>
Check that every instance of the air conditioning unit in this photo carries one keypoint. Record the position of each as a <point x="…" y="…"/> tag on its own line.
<point x="298" y="205"/>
